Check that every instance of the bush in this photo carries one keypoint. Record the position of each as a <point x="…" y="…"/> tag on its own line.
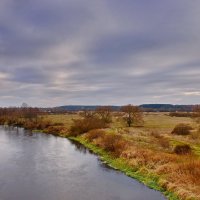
<point x="181" y="114"/>
<point x="30" y="125"/>
<point x="94" y="134"/>
<point x="182" y="129"/>
<point x="81" y="126"/>
<point x="42" y="124"/>
<point x="54" y="130"/>
<point x="58" y="124"/>
<point x="114" y="144"/>
<point x="183" y="149"/>
<point x="34" y="124"/>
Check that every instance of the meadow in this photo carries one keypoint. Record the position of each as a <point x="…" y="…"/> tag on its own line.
<point x="149" y="152"/>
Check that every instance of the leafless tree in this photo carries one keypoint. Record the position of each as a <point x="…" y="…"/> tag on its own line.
<point x="196" y="113"/>
<point x="104" y="113"/>
<point x="132" y="114"/>
<point x="87" y="114"/>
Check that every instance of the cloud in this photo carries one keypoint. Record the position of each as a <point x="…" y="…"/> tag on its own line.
<point x="99" y="52"/>
<point x="194" y="93"/>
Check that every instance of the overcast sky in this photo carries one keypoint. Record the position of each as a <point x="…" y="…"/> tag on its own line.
<point x="92" y="52"/>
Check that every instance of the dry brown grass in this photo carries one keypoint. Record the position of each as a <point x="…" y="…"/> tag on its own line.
<point x="148" y="149"/>
<point x="180" y="174"/>
<point x="183" y="178"/>
<point x="164" y="142"/>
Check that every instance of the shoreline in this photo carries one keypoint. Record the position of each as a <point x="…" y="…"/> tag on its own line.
<point x="149" y="180"/>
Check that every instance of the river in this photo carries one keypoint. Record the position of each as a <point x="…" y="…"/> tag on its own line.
<point x="35" y="166"/>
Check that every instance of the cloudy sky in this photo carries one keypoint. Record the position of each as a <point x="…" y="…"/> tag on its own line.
<point x="99" y="52"/>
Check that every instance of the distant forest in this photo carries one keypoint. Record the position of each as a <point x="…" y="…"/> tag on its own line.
<point x="144" y="107"/>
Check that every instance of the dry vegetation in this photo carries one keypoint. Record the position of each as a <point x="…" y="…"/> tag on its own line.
<point x="164" y="146"/>
<point x="153" y="149"/>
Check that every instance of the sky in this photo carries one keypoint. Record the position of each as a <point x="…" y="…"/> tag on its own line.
<point x="99" y="52"/>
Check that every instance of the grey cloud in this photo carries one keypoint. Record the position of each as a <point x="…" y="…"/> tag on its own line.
<point x="26" y="75"/>
<point x="99" y="52"/>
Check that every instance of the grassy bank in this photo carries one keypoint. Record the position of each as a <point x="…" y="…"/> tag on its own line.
<point x="145" y="153"/>
<point x="122" y="165"/>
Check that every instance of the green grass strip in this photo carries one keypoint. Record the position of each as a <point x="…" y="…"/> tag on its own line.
<point x="120" y="164"/>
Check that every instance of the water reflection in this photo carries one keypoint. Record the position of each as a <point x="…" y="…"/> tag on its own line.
<point x="79" y="147"/>
<point x="104" y="166"/>
<point x="82" y="149"/>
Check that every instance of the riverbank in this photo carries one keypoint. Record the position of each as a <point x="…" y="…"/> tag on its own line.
<point x="146" y="154"/>
<point x="40" y="166"/>
<point x="148" y="179"/>
<point x="140" y="152"/>
<point x="122" y="165"/>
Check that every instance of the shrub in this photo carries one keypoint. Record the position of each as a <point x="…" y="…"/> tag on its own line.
<point x="182" y="129"/>
<point x="181" y="114"/>
<point x="42" y="124"/>
<point x="34" y="124"/>
<point x="104" y="113"/>
<point x="2" y="120"/>
<point x="113" y="143"/>
<point x="81" y="126"/>
<point x="94" y="134"/>
<point x="183" y="149"/>
<point x="55" y="130"/>
<point x="30" y="125"/>
<point x="58" y="124"/>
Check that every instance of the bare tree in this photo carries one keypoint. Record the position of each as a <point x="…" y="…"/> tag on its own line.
<point x="196" y="113"/>
<point x="87" y="114"/>
<point x="132" y="114"/>
<point x="104" y="112"/>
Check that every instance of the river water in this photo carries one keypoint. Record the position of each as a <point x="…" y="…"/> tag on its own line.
<point x="36" y="166"/>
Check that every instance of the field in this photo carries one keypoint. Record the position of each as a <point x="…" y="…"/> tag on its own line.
<point x="153" y="151"/>
<point x="147" y="151"/>
<point x="155" y="125"/>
